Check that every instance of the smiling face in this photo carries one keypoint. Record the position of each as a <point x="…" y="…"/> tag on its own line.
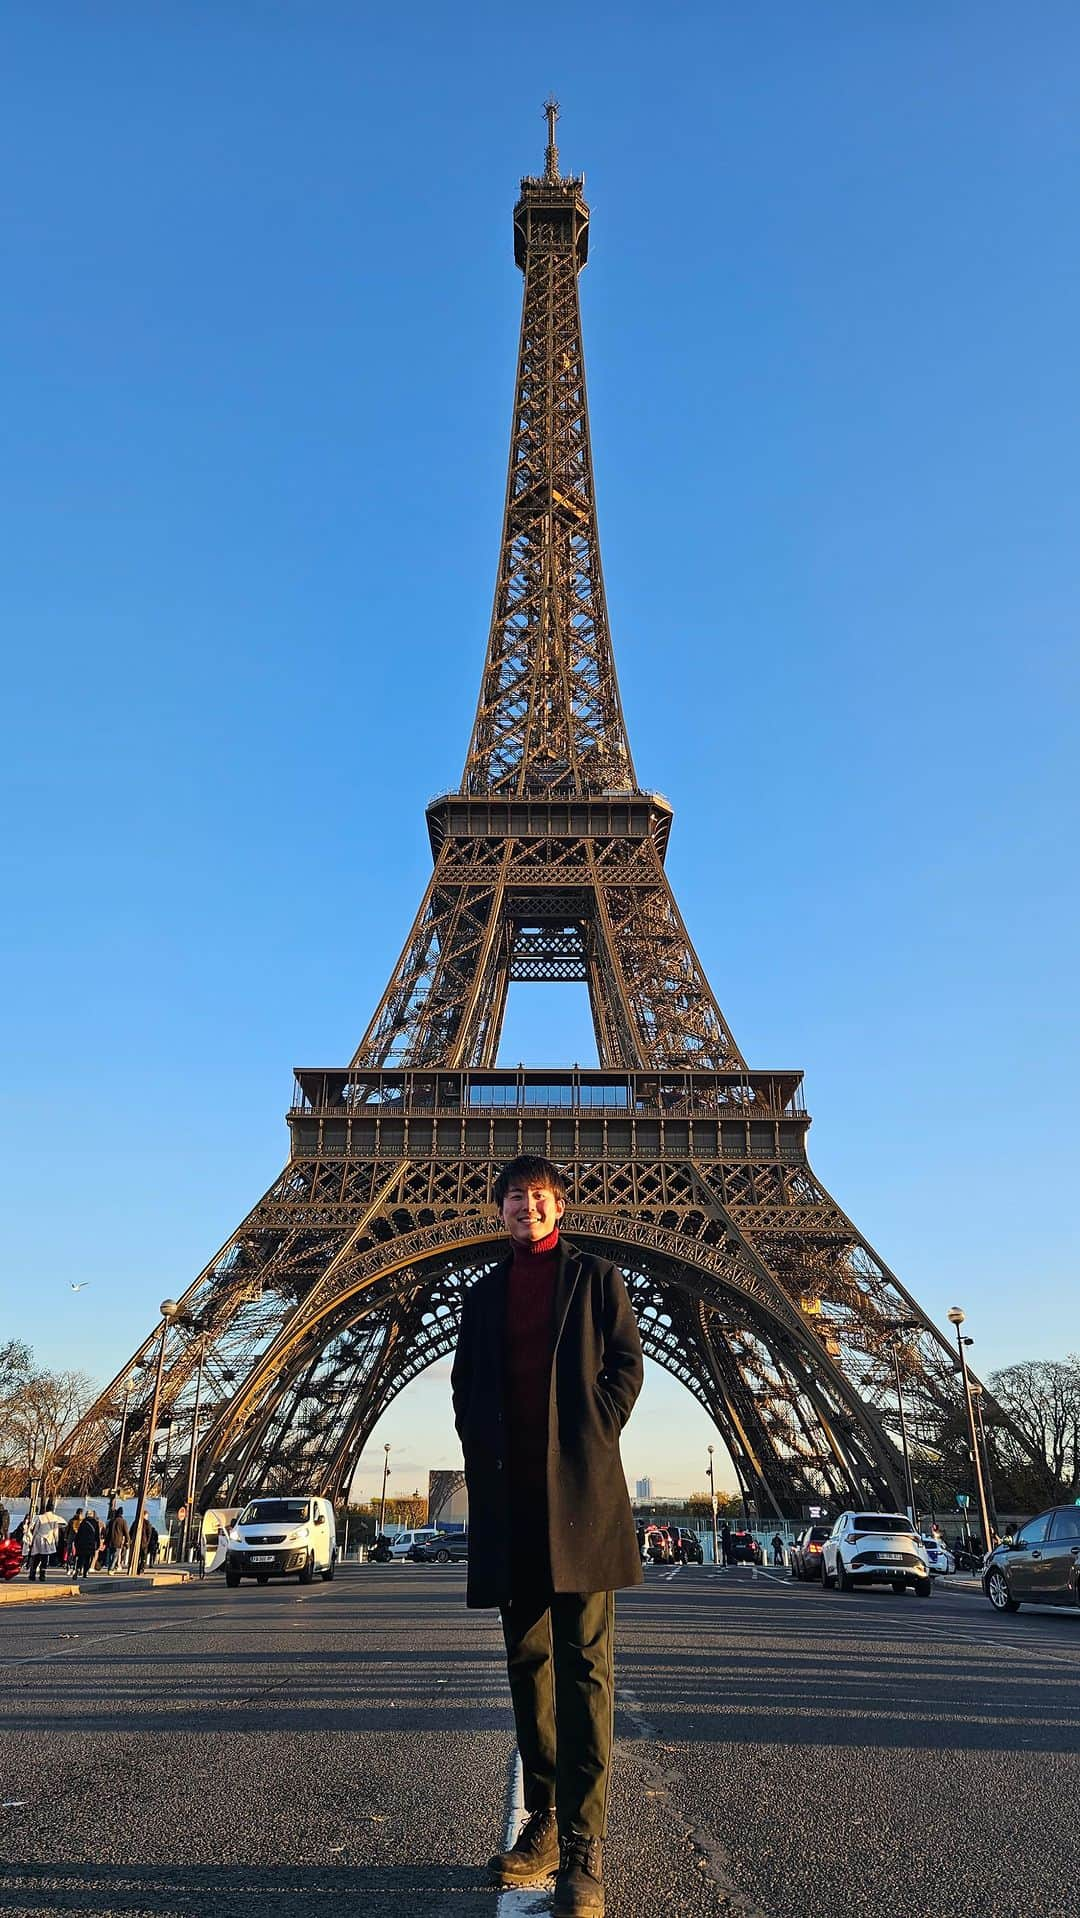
<point x="531" y="1211"/>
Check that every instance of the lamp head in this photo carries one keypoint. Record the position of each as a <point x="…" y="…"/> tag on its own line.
<point x="955" y="1316"/>
<point x="169" y="1308"/>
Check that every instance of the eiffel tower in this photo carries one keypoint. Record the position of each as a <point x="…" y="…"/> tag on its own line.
<point x="683" y="1163"/>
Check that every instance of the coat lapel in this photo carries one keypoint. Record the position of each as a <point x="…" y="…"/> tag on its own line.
<point x="567" y="1274"/>
<point x="497" y="1280"/>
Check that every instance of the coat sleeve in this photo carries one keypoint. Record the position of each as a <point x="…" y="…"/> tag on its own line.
<point x="462" y="1368"/>
<point x="624" y="1368"/>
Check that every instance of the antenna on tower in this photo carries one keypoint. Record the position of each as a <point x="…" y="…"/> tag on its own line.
<point x="551" y="164"/>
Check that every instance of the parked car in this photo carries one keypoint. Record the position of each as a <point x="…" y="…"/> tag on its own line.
<point x="659" y="1549"/>
<point x="938" y="1556"/>
<point x="745" y="1549"/>
<point x="444" y="1548"/>
<point x="875" y="1548"/>
<point x="686" y="1545"/>
<point x="805" y="1554"/>
<point x="1041" y="1566"/>
<point x="402" y="1547"/>
<point x="282" y="1538"/>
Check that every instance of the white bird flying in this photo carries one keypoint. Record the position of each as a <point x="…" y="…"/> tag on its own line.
<point x="79" y="1288"/>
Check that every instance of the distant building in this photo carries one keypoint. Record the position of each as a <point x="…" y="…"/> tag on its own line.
<point x="643" y="1491"/>
<point x="448" y="1501"/>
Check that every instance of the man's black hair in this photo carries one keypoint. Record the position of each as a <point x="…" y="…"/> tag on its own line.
<point x="530" y="1170"/>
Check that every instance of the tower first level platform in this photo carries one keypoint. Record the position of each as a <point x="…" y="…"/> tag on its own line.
<point x="562" y="1114"/>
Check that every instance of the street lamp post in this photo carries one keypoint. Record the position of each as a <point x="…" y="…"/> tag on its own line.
<point x="169" y="1311"/>
<point x="894" y="1347"/>
<point x="120" y="1446"/>
<point x="193" y="1453"/>
<point x="712" y="1489"/>
<point x="977" y="1400"/>
<point x="956" y="1318"/>
<point x="385" y="1476"/>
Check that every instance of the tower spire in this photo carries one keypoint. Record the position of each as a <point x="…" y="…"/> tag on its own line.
<point x="549" y="716"/>
<point x="551" y="159"/>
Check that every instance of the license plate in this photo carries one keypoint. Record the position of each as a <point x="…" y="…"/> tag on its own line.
<point x="261" y="1558"/>
<point x="892" y="1557"/>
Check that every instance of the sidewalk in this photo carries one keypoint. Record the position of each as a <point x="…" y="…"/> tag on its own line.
<point x="20" y="1591"/>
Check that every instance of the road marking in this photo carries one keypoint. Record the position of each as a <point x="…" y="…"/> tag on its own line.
<point x="521" y="1899"/>
<point x="140" y="1631"/>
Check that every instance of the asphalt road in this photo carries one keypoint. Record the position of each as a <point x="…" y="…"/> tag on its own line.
<point x="781" y="1751"/>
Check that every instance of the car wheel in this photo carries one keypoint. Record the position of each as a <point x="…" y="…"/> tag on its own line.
<point x="843" y="1577"/>
<point x="232" y="1580"/>
<point x="997" y="1591"/>
<point x="795" y="1572"/>
<point x="826" y="1577"/>
<point x="443" y="1557"/>
<point x="899" y="1586"/>
<point x="329" y="1572"/>
<point x="308" y="1571"/>
<point x="923" y="1587"/>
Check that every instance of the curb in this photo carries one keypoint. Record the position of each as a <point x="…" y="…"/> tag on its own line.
<point x="35" y="1594"/>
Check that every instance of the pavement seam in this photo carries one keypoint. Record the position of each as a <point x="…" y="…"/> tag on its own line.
<point x="715" y="1861"/>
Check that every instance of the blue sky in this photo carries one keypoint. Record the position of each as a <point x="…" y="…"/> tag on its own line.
<point x="256" y="355"/>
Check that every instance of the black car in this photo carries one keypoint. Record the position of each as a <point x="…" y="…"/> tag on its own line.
<point x="744" y="1549"/>
<point x="805" y="1555"/>
<point x="1040" y="1567"/>
<point x="445" y="1548"/>
<point x="687" y="1545"/>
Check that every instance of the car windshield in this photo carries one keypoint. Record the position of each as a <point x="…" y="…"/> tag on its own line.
<point x="817" y="1534"/>
<point x="274" y="1511"/>
<point x="882" y="1522"/>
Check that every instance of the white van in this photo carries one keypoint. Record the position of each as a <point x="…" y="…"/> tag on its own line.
<point x="404" y="1542"/>
<point x="292" y="1537"/>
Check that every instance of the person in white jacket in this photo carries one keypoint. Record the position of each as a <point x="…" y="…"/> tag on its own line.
<point x="44" y="1541"/>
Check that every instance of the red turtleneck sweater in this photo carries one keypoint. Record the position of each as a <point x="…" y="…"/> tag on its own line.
<point x="530" y="1344"/>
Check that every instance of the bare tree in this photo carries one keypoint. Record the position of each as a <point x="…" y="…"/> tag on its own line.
<point x="1042" y="1397"/>
<point x="36" y="1408"/>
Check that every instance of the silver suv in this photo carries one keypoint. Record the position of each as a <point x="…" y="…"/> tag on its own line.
<point x="875" y="1548"/>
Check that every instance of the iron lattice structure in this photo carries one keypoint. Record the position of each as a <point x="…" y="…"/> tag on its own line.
<point x="345" y="1281"/>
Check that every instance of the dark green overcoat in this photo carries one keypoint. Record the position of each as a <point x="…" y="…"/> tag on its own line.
<point x="596" y="1375"/>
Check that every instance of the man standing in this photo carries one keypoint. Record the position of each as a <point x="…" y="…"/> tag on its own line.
<point x="44" y="1542"/>
<point x="116" y="1539"/>
<point x="547" y="1370"/>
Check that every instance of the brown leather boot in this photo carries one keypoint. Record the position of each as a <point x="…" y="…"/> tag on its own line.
<point x="534" y="1853"/>
<point x="579" y="1887"/>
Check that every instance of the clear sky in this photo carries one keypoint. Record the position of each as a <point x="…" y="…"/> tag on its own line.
<point x="256" y="351"/>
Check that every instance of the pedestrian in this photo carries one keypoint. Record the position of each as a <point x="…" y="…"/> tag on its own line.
<point x="725" y="1542"/>
<point x="5" y="1520"/>
<point x="547" y="1370"/>
<point x="198" y="1547"/>
<point x="87" y="1544"/>
<point x="70" y="1535"/>
<point x="44" y="1541"/>
<point x="116" y="1539"/>
<point x="777" y="1549"/>
<point x="153" y="1545"/>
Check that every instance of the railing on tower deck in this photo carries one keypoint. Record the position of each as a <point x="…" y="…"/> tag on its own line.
<point x="730" y="1095"/>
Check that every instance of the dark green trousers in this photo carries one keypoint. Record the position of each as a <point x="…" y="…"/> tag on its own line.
<point x="560" y="1658"/>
